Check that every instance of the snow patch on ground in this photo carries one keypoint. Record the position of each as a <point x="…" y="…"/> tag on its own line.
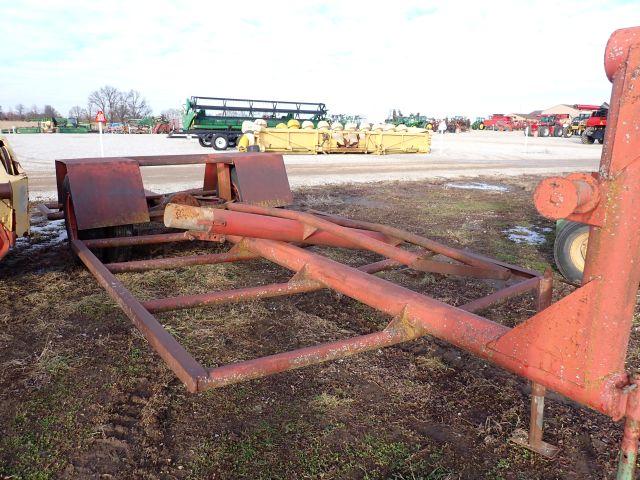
<point x="519" y="234"/>
<point x="43" y="236"/>
<point x="478" y="186"/>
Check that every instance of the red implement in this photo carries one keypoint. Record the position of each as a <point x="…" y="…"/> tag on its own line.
<point x="575" y="346"/>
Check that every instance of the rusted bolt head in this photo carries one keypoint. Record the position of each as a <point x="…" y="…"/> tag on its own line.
<point x="556" y="197"/>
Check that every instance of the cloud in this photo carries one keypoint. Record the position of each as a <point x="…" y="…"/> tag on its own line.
<point x="448" y="58"/>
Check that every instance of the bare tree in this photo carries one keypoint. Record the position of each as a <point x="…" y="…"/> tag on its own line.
<point x="90" y="111"/>
<point x="34" y="112"/>
<point x="107" y="99"/>
<point x="1" y="113"/>
<point x="49" y="111"/>
<point x="136" y="104"/>
<point x="77" y="112"/>
<point x="20" y="110"/>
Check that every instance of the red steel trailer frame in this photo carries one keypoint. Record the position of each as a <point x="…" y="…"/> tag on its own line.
<point x="575" y="346"/>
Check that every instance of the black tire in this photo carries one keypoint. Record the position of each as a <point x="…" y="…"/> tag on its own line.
<point x="557" y="131"/>
<point x="569" y="250"/>
<point x="220" y="142"/>
<point x="567" y="132"/>
<point x="204" y="140"/>
<point x="600" y="141"/>
<point x="586" y="138"/>
<point x="543" y="131"/>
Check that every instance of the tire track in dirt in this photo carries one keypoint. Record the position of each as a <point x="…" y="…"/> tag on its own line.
<point x="130" y="438"/>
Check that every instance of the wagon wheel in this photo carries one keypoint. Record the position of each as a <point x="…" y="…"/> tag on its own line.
<point x="570" y="250"/>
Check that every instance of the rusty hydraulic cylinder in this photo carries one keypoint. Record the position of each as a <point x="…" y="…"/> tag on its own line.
<point x="225" y="222"/>
<point x="366" y="242"/>
<point x="559" y="197"/>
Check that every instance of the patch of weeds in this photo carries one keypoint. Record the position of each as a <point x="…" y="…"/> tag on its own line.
<point x="326" y="401"/>
<point x="433" y="364"/>
<point x="98" y="305"/>
<point x="54" y="364"/>
<point x="40" y="435"/>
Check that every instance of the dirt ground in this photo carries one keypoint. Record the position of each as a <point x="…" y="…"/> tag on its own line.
<point x="83" y="396"/>
<point x="467" y="154"/>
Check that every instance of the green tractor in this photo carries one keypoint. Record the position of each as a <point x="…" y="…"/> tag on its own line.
<point x="478" y="124"/>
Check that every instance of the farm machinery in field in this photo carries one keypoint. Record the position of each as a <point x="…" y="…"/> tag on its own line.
<point x="477" y="122"/>
<point x="595" y="126"/>
<point x="245" y="201"/>
<point x="218" y="121"/>
<point x="552" y="125"/>
<point x="577" y="126"/>
<point x="412" y="120"/>
<point x="499" y="122"/>
<point x="14" y="199"/>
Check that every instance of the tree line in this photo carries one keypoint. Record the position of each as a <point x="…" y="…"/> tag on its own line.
<point x="117" y="105"/>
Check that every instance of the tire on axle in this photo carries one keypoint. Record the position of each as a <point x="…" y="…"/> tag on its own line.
<point x="570" y="250"/>
<point x="220" y="142"/>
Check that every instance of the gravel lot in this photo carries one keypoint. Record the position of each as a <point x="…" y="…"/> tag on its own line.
<point x="454" y="155"/>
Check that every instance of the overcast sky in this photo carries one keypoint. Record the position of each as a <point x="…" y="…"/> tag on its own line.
<point x="436" y="58"/>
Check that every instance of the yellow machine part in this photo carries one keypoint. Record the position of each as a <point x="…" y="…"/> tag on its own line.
<point x="313" y="141"/>
<point x="293" y="123"/>
<point x="14" y="212"/>
<point x="243" y="143"/>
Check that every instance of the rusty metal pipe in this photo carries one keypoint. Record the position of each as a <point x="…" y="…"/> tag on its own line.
<point x="358" y="238"/>
<point x="294" y="286"/>
<point x="226" y="222"/>
<point x="502" y="294"/>
<point x="186" y="368"/>
<point x="461" y="328"/>
<point x="142" y="240"/>
<point x="178" y="262"/>
<point x="50" y="214"/>
<point x="425" y="316"/>
<point x="453" y="253"/>
<point x="280" y="362"/>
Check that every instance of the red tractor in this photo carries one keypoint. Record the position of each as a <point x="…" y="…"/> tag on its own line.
<point x="595" y="126"/>
<point x="497" y="121"/>
<point x="552" y="125"/>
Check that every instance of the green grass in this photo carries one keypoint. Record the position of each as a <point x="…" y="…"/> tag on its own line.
<point x="258" y="455"/>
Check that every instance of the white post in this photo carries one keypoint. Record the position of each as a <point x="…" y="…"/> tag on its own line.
<point x="526" y="139"/>
<point x="100" y="135"/>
